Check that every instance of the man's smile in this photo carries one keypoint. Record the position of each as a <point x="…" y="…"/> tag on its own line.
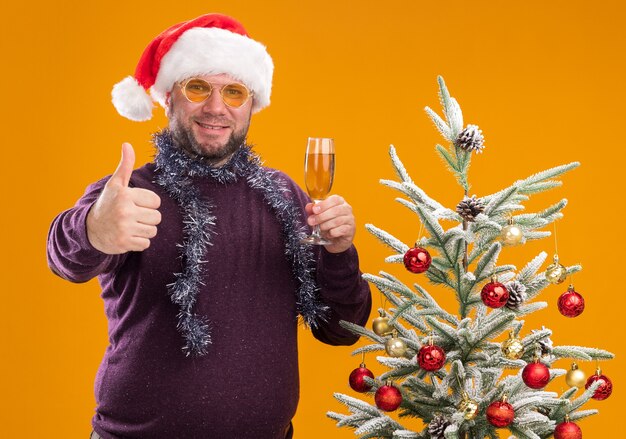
<point x="212" y="126"/>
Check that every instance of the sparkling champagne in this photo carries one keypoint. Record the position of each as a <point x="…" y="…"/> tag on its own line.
<point x="319" y="171"/>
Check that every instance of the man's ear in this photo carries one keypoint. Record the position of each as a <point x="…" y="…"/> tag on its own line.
<point x="168" y="97"/>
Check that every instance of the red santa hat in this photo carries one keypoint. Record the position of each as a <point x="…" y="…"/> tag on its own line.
<point x="207" y="45"/>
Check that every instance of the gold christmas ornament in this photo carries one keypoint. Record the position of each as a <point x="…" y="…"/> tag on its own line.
<point x="511" y="234"/>
<point x="556" y="273"/>
<point x="512" y="348"/>
<point x="575" y="377"/>
<point x="380" y="325"/>
<point x="469" y="407"/>
<point x="395" y="347"/>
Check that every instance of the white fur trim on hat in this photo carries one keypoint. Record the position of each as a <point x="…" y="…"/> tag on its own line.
<point x="211" y="51"/>
<point x="131" y="100"/>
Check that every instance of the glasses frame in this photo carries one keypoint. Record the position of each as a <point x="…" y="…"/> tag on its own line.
<point x="184" y="83"/>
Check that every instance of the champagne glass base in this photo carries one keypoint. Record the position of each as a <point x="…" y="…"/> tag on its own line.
<point x="314" y="240"/>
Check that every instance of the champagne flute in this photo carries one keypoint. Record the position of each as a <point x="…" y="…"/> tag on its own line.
<point x="319" y="171"/>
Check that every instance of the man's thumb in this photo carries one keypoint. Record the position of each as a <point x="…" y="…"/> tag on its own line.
<point x="124" y="170"/>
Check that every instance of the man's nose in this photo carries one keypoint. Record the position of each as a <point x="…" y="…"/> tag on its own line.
<point x="214" y="104"/>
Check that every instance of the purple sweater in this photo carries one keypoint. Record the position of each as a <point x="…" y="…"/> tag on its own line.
<point x="246" y="386"/>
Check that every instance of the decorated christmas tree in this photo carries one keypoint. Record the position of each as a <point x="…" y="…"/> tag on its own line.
<point x="467" y="375"/>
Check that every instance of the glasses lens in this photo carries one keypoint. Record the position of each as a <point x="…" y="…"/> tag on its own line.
<point x="197" y="90"/>
<point x="235" y="95"/>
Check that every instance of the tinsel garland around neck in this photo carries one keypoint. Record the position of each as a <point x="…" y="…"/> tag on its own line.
<point x="175" y="172"/>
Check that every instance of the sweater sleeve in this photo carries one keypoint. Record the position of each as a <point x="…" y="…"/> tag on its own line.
<point x="342" y="288"/>
<point x="345" y="292"/>
<point x="70" y="254"/>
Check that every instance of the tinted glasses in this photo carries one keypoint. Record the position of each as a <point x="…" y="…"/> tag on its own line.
<point x="198" y="90"/>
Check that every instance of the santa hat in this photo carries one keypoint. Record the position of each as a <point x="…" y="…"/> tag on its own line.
<point x="207" y="45"/>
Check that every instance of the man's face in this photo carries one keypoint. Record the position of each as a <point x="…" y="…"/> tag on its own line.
<point x="210" y="128"/>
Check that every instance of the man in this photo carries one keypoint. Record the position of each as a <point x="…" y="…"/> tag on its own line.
<point x="199" y="256"/>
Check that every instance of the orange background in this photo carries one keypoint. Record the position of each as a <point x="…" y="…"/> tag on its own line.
<point x="544" y="80"/>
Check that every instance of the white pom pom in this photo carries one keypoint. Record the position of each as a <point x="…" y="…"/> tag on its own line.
<point x="131" y="100"/>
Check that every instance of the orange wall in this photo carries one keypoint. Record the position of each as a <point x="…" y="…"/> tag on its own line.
<point x="544" y="80"/>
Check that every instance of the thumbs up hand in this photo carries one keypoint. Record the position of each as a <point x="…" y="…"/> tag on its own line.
<point x="123" y="218"/>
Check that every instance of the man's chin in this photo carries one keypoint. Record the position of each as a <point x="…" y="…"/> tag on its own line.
<point x="209" y="149"/>
<point x="216" y="154"/>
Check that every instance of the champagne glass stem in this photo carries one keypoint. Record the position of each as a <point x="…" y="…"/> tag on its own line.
<point x="315" y="237"/>
<point x="317" y="232"/>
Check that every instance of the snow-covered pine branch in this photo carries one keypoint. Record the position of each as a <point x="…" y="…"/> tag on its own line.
<point x="538" y="283"/>
<point x="374" y="425"/>
<point x="398" y="287"/>
<point x="572" y="406"/>
<point x="398" y="166"/>
<point x="387" y="238"/>
<point x="581" y="353"/>
<point x="543" y="186"/>
<point x="357" y="406"/>
<point x="545" y="175"/>
<point x="582" y="414"/>
<point x="530" y="270"/>
<point x="356" y="329"/>
<point x="405" y="434"/>
<point x="376" y="347"/>
<point x="440" y="124"/>
<point x="451" y="109"/>
<point x="529" y="184"/>
<point x="447" y="158"/>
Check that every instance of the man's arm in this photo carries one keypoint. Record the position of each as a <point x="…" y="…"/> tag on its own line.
<point x="346" y="293"/>
<point x="338" y="276"/>
<point x="70" y="253"/>
<point x="109" y="220"/>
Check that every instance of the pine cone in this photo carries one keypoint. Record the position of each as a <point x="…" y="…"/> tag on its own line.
<point x="470" y="208"/>
<point x="545" y="344"/>
<point x="437" y="426"/>
<point x="517" y="294"/>
<point x="471" y="139"/>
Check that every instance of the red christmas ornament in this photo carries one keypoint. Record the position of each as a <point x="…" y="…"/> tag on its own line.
<point x="604" y="390"/>
<point x="571" y="303"/>
<point x="431" y="357"/>
<point x="388" y="397"/>
<point x="567" y="430"/>
<point x="494" y="294"/>
<point x="356" y="378"/>
<point x="536" y="375"/>
<point x="500" y="413"/>
<point x="417" y="259"/>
